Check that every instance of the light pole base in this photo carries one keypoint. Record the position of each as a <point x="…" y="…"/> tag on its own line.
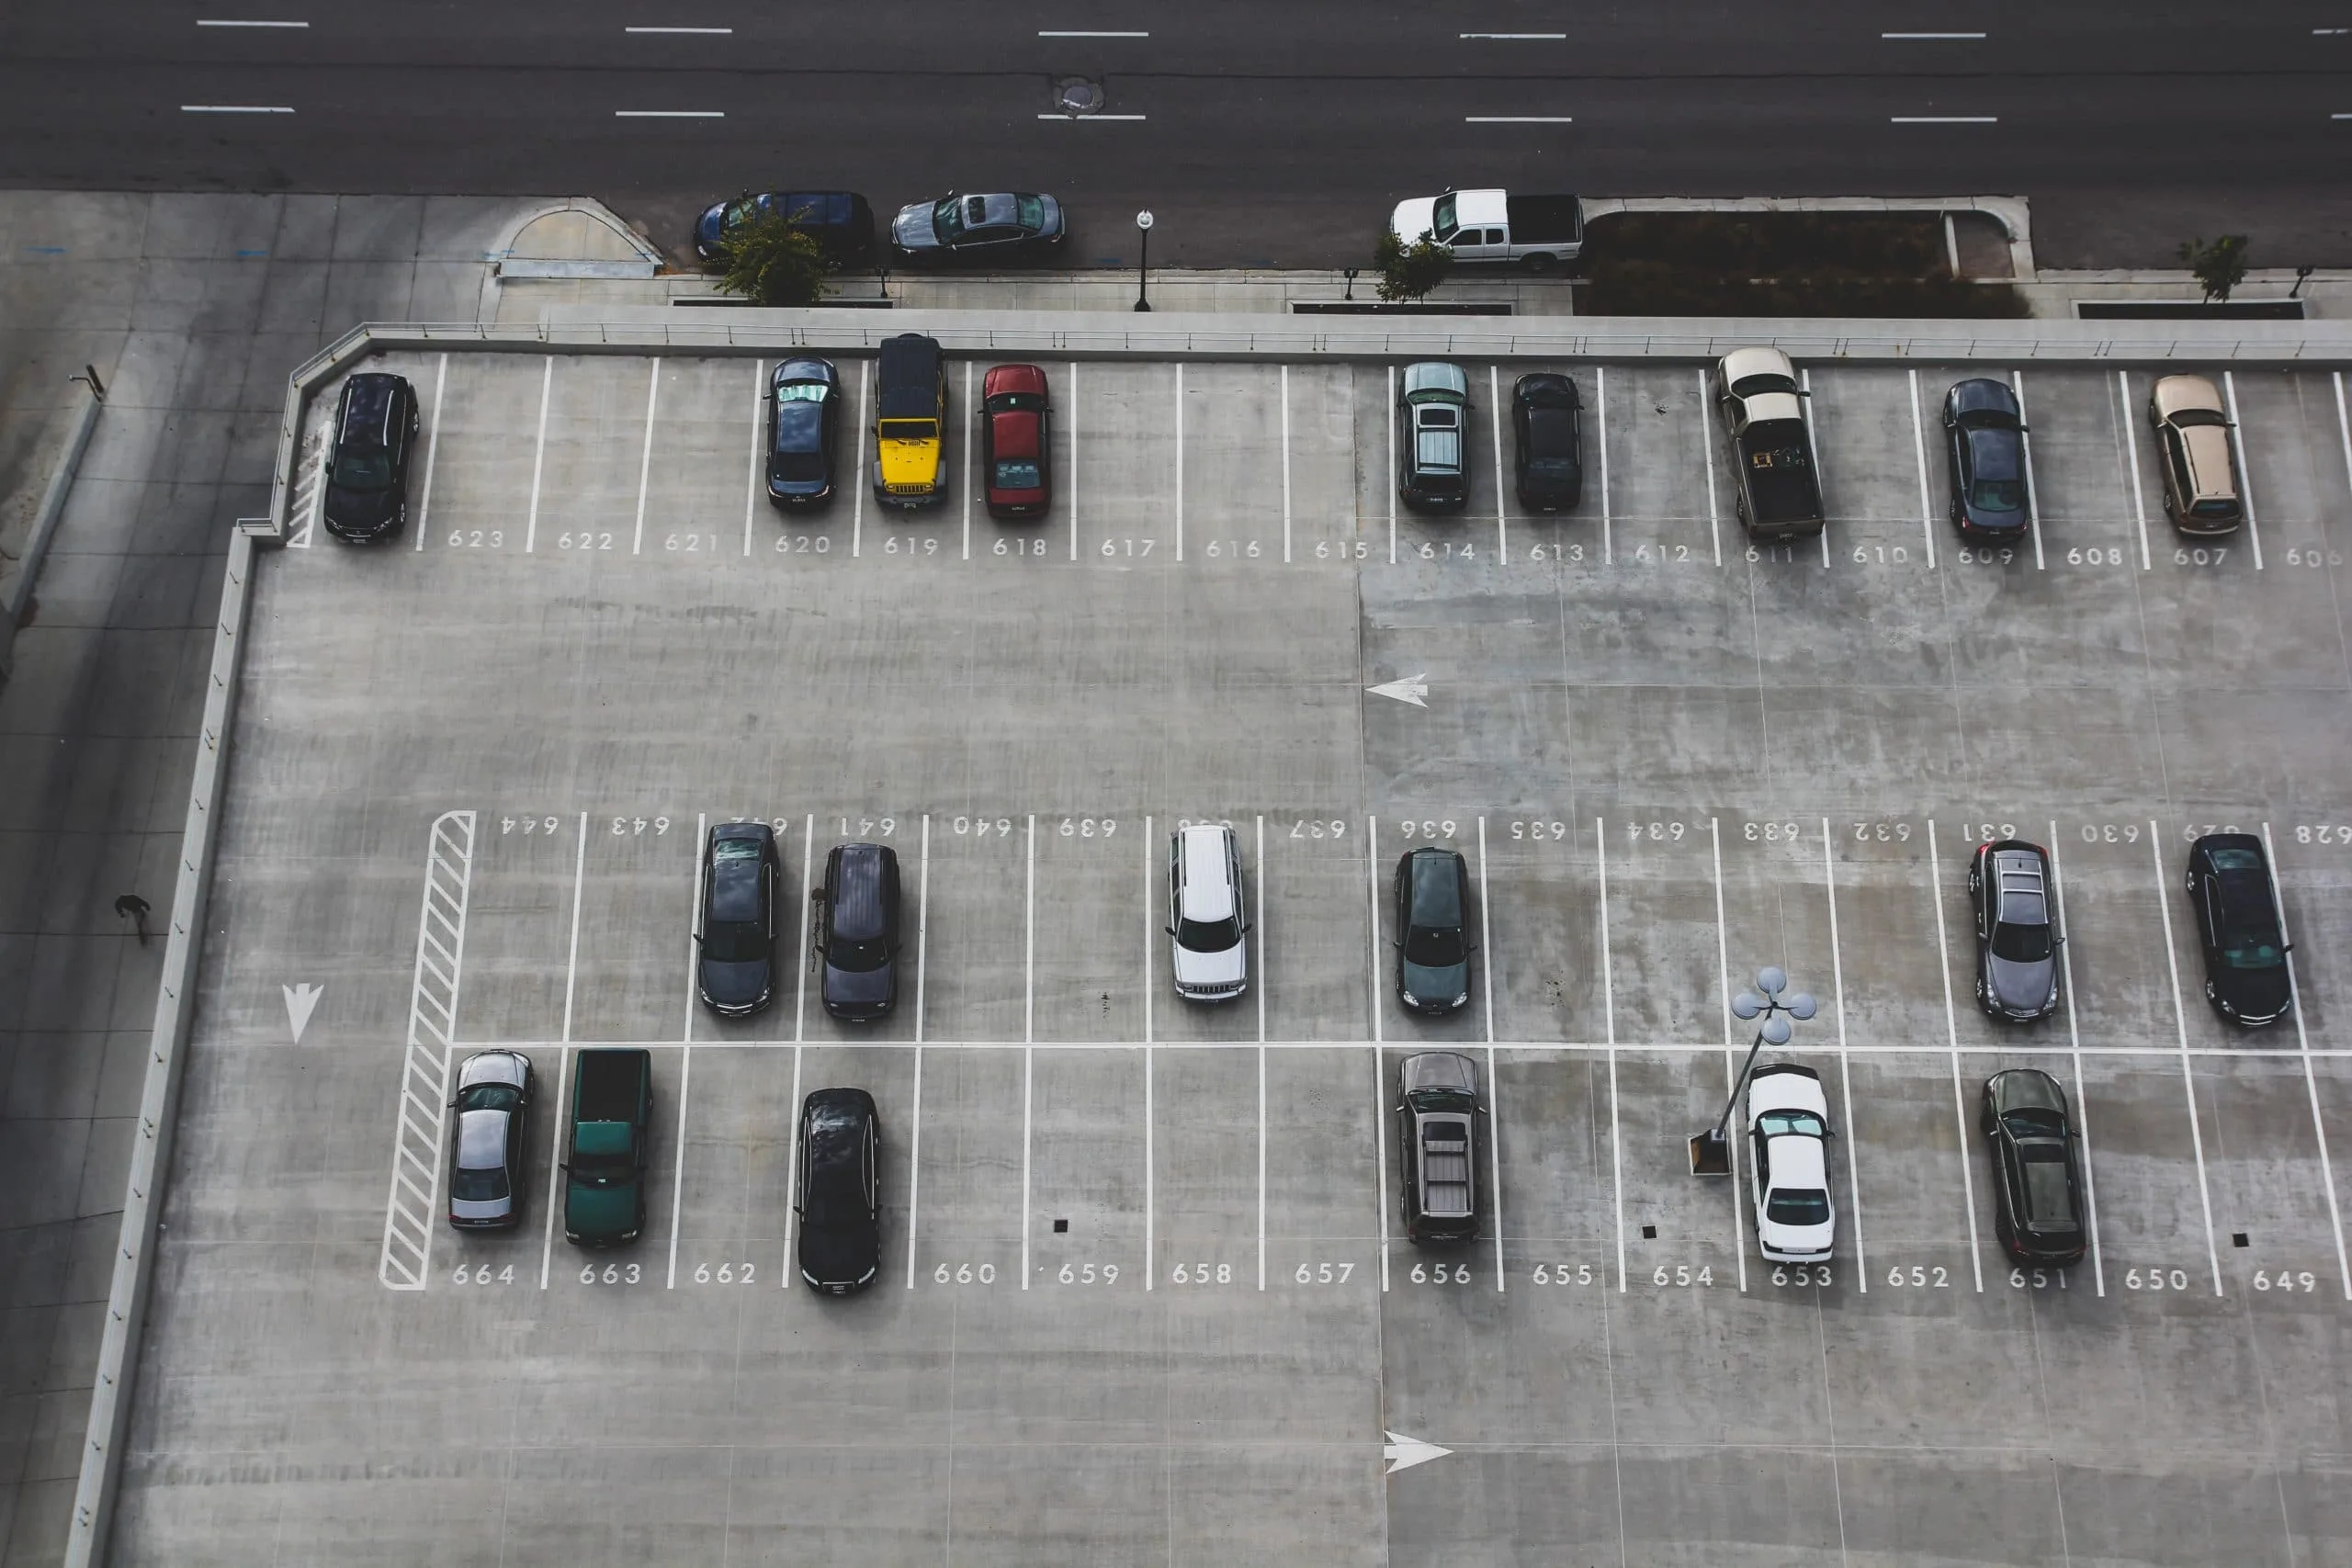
<point x="1710" y="1154"/>
<point x="1143" y="304"/>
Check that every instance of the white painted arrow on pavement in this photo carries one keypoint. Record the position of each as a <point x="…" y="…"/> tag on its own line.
<point x="301" y="1000"/>
<point x="1412" y="689"/>
<point x="1404" y="1453"/>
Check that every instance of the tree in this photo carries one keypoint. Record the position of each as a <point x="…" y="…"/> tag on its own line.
<point x="770" y="261"/>
<point x="2219" y="266"/>
<point x="1410" y="272"/>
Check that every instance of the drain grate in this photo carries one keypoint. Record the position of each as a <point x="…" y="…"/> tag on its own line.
<point x="1078" y="96"/>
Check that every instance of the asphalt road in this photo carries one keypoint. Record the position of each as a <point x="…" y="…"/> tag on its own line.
<point x="1270" y="133"/>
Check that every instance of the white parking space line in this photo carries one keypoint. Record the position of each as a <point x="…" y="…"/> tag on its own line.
<point x="1608" y="1023"/>
<point x="2342" y="430"/>
<point x="1379" y="1085"/>
<point x="1389" y="482"/>
<point x="2033" y="491"/>
<point x="785" y="1270"/>
<point x="1028" y="1038"/>
<point x="857" y="480"/>
<point x="2074" y="1047"/>
<point x="800" y="953"/>
<point x="2132" y="462"/>
<point x="1951" y="1029"/>
<point x="539" y="454"/>
<point x="1919" y="458"/>
<point x="2303" y="1044"/>
<point x="1714" y="513"/>
<point x="555" y="1160"/>
<point x="645" y="461"/>
<point x="572" y="961"/>
<point x="971" y="422"/>
<point x="914" y="1146"/>
<point x="759" y="440"/>
<point x="686" y="1042"/>
<point x="1601" y="411"/>
<point x="1179" y="460"/>
<point x="1845" y="1066"/>
<point x="1494" y="1082"/>
<point x="1494" y="429"/>
<point x="1286" y="389"/>
<point x="1070" y="504"/>
<point x="433" y="442"/>
<point x="1150" y="1204"/>
<point x="1261" y="1011"/>
<point x="2181" y="1024"/>
<point x="1722" y="991"/>
<point x="2246" y="474"/>
<point x="1812" y="449"/>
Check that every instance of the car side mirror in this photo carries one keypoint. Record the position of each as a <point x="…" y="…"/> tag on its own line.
<point x="1170" y="930"/>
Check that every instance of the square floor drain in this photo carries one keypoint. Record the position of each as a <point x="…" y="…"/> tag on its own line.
<point x="1060" y="1225"/>
<point x="2238" y="1238"/>
<point x="1650" y="1232"/>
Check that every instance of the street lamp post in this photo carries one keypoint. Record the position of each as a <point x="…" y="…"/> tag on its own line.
<point x="1143" y="258"/>
<point x="1711" y="1150"/>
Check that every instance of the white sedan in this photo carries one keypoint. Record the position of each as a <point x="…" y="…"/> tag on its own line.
<point x="1788" y="1144"/>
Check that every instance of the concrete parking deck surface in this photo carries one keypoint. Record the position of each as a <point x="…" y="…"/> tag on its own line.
<point x="1144" y="1295"/>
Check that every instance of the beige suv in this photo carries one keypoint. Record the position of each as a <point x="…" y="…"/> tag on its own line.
<point x="2193" y="448"/>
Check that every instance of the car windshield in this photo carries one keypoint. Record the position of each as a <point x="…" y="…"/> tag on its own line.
<point x="2252" y="950"/>
<point x="1033" y="212"/>
<point x="1997" y="496"/>
<point x="1017" y="473"/>
<point x="1434" y="947"/>
<point x="858" y="957"/>
<point x="948" y="218"/>
<point x="1208" y="936"/>
<point x="734" y="941"/>
<point x="2214" y="509"/>
<point x="907" y="430"/>
<point x="2187" y="417"/>
<point x="366" y="469"/>
<point x="2034" y="1123"/>
<point x="489" y="1096"/>
<point x="1016" y="402"/>
<point x="1798" y="1206"/>
<point x="1757" y="386"/>
<point x="1552" y="468"/>
<point x="1442" y="1100"/>
<point x="2021" y="944"/>
<point x="478" y="1186"/>
<point x="1442" y="223"/>
<point x="1803" y="1123"/>
<point x="802" y="392"/>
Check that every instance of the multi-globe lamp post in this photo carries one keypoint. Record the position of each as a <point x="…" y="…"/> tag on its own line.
<point x="1774" y="1005"/>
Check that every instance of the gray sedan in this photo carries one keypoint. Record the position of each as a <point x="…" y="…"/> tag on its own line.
<point x="2017" y="931"/>
<point x="494" y="1114"/>
<point x="1002" y="227"/>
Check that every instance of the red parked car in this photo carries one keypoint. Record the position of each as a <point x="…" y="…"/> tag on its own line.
<point x="1016" y="441"/>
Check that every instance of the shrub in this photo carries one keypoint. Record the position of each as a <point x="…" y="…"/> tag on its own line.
<point x="770" y="262"/>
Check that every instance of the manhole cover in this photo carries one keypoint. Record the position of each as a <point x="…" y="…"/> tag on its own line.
<point x="1076" y="95"/>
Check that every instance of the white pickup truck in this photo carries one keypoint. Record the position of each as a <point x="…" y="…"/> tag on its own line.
<point x="1537" y="231"/>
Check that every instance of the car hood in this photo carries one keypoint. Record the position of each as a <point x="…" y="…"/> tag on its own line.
<point x="360" y="508"/>
<point x="599" y="1211"/>
<point x="840" y="1256"/>
<point x="2020" y="987"/>
<point x="736" y="985"/>
<point x="858" y="987"/>
<point x="1227" y="969"/>
<point x="1440" y="984"/>
<point x="707" y="226"/>
<point x="2255" y="993"/>
<point x="1412" y="219"/>
<point x="912" y="228"/>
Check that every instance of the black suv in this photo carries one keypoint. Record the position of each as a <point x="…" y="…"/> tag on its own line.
<point x="2017" y="933"/>
<point x="1438" y="1139"/>
<point x="804" y="432"/>
<point x="735" y="967"/>
<point x="366" y="476"/>
<point x="2037" y="1183"/>
<point x="1547" y="425"/>
<point x="2237" y="923"/>
<point x="1434" y="947"/>
<point x="841" y="1190"/>
<point x="857" y="932"/>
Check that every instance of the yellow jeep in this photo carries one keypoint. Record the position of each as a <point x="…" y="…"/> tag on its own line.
<point x="910" y="420"/>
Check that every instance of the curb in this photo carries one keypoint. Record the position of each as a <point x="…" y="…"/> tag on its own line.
<point x="2011" y="212"/>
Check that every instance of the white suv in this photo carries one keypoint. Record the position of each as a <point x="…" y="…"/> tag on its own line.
<point x="1211" y="952"/>
<point x="1788" y="1144"/>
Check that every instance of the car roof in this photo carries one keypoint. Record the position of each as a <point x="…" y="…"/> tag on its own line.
<point x="1209" y="892"/>
<point x="1435" y="880"/>
<point x="494" y="1067"/>
<point x="859" y="872"/>
<point x="2027" y="1089"/>
<point x="481" y="1139"/>
<point x="1981" y="394"/>
<point x="1013" y="434"/>
<point x="1436" y="376"/>
<point x="1742" y="363"/>
<point x="910" y="369"/>
<point x="1012" y="379"/>
<point x="1438" y="1069"/>
<point x="2173" y="394"/>
<point x="1799" y="1160"/>
<point x="1481" y="207"/>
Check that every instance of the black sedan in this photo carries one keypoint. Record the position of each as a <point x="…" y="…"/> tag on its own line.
<point x="1984" y="454"/>
<point x="1432" y="911"/>
<point x="841" y="1190"/>
<point x="2238" y="925"/>
<point x="804" y="432"/>
<point x="2017" y="931"/>
<point x="735" y="966"/>
<point x="1010" y="226"/>
<point x="366" y="476"/>
<point x="857" y="932"/>
<point x="1547" y="423"/>
<point x="2037" y="1176"/>
<point x="494" y="1115"/>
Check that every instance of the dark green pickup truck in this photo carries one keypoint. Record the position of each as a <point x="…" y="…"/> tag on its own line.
<point x="603" y="1168"/>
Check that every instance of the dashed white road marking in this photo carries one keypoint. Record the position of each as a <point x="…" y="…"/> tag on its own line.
<point x="2188" y="1080"/>
<point x="2303" y="1044"/>
<point x="2075" y="1045"/>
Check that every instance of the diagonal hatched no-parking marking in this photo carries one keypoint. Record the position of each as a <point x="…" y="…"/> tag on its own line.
<point x="415" y="1198"/>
